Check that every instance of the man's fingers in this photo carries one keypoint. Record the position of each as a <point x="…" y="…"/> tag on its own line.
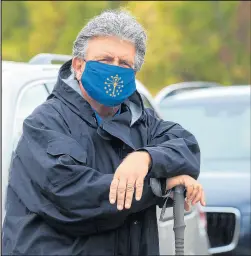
<point x="113" y="191"/>
<point x="196" y="189"/>
<point x="189" y="192"/>
<point x="187" y="206"/>
<point x="129" y="193"/>
<point x="203" y="199"/>
<point x="121" y="193"/>
<point x="139" y="188"/>
<point x="197" y="197"/>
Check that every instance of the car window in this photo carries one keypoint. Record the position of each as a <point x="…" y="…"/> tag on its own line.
<point x="178" y="91"/>
<point x="221" y="126"/>
<point x="147" y="103"/>
<point x="27" y="102"/>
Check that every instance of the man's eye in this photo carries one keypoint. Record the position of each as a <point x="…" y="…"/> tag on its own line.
<point x="104" y="60"/>
<point x="123" y="63"/>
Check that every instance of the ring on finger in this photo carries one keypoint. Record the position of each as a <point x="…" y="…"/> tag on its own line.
<point x="197" y="187"/>
<point x="130" y="187"/>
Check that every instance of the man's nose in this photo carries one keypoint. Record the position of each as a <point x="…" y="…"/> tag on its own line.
<point x="116" y="61"/>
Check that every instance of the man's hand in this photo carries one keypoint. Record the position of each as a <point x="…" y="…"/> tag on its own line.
<point x="129" y="176"/>
<point x="194" y="189"/>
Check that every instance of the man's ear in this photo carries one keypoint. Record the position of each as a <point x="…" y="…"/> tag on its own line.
<point x="78" y="66"/>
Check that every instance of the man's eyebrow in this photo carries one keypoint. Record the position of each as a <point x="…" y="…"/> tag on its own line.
<point x="107" y="54"/>
<point x="125" y="59"/>
<point x="102" y="55"/>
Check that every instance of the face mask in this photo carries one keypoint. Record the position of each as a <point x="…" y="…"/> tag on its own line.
<point x="108" y="84"/>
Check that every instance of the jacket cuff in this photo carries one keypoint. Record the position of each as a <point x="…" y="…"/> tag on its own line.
<point x="155" y="163"/>
<point x="158" y="186"/>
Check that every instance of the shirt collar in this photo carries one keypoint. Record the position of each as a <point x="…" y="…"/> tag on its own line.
<point x="99" y="118"/>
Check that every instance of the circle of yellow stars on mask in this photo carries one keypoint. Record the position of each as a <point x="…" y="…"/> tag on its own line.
<point x="114" y="86"/>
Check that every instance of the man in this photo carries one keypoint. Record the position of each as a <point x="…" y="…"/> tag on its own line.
<point x="93" y="163"/>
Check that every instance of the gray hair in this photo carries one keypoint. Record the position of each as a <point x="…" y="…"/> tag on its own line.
<point x="113" y="23"/>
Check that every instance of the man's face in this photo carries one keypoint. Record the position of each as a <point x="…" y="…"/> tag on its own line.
<point x="109" y="50"/>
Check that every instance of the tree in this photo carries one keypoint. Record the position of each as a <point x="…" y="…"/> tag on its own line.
<point x="187" y="40"/>
<point x="193" y="41"/>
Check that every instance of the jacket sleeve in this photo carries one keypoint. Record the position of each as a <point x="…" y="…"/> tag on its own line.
<point x="174" y="150"/>
<point x="50" y="174"/>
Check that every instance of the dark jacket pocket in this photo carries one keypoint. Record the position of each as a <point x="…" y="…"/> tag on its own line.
<point x="67" y="153"/>
<point x="64" y="148"/>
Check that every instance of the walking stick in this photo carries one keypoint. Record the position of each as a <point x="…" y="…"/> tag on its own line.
<point x="179" y="223"/>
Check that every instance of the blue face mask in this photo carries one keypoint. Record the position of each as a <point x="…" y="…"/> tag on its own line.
<point x="108" y="84"/>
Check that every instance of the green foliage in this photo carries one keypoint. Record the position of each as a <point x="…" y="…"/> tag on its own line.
<point x="191" y="41"/>
<point x="205" y="40"/>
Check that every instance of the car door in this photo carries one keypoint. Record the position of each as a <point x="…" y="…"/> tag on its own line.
<point x="20" y="100"/>
<point x="29" y="99"/>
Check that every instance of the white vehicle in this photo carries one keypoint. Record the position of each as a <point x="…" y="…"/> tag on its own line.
<point x="27" y="85"/>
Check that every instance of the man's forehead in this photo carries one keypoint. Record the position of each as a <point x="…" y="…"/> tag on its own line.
<point x="103" y="46"/>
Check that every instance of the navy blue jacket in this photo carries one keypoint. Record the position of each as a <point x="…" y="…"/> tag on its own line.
<point x="57" y="196"/>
